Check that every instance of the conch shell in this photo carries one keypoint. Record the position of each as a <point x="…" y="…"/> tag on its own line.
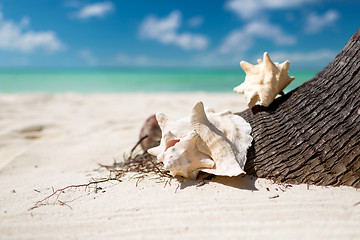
<point x="264" y="81"/>
<point x="206" y="141"/>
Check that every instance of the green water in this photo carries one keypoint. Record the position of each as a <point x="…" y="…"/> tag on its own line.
<point x="92" y="81"/>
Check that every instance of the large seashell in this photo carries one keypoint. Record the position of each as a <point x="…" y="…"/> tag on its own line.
<point x="264" y="81"/>
<point x="206" y="141"/>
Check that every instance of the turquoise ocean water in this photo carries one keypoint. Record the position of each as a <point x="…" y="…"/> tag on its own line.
<point x="113" y="81"/>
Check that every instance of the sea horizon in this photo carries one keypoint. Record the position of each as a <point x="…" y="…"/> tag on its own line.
<point x="120" y="80"/>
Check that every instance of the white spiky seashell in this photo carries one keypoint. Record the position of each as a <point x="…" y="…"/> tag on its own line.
<point x="264" y="81"/>
<point x="206" y="141"/>
<point x="184" y="157"/>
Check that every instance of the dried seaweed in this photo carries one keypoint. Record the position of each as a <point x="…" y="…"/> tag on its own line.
<point x="143" y="165"/>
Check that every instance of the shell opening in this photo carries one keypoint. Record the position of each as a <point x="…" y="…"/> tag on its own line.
<point x="171" y="143"/>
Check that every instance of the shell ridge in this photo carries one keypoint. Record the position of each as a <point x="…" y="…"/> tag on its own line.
<point x="216" y="136"/>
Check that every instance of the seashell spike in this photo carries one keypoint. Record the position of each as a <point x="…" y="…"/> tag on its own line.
<point x="264" y="81"/>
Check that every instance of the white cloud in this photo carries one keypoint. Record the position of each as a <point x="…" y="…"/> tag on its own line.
<point x="152" y="27"/>
<point x="305" y="57"/>
<point x="13" y="37"/>
<point x="250" y="8"/>
<point x="165" y="31"/>
<point x="241" y="40"/>
<point x="316" y="23"/>
<point x="88" y="57"/>
<point x="237" y="41"/>
<point x="98" y="10"/>
<point x="195" y="21"/>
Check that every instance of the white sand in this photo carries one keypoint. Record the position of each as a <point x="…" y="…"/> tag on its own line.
<point x="54" y="141"/>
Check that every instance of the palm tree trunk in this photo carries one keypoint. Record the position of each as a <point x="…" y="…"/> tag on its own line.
<point x="312" y="134"/>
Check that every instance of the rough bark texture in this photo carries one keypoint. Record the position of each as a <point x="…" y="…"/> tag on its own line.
<point x="312" y="134"/>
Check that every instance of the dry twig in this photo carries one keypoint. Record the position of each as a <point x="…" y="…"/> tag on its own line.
<point x="58" y="192"/>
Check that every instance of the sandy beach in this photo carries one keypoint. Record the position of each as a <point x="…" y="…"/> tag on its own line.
<point x="52" y="141"/>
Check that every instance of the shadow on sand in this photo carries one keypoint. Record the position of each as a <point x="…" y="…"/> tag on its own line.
<point x="245" y="182"/>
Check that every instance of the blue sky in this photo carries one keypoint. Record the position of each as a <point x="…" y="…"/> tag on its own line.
<point x="173" y="34"/>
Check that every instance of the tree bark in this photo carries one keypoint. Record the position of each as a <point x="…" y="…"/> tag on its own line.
<point x="312" y="134"/>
